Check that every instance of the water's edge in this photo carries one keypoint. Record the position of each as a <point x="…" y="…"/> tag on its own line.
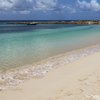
<point x="10" y="79"/>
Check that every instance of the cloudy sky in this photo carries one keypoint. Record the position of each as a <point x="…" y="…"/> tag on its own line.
<point x="49" y="9"/>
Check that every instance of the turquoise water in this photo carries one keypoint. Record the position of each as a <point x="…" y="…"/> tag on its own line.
<point x="22" y="45"/>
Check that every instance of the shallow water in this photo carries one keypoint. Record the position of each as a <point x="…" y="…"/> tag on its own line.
<point x="21" y="44"/>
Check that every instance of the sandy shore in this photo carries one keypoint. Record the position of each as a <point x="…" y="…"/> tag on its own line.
<point x="78" y="80"/>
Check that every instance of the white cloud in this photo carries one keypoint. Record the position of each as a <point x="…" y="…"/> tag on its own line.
<point x="27" y="6"/>
<point x="53" y="5"/>
<point x="24" y="12"/>
<point x="92" y="5"/>
<point x="14" y="5"/>
<point x="45" y="4"/>
<point x="6" y="4"/>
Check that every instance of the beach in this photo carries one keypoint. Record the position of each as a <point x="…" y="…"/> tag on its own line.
<point x="49" y="62"/>
<point x="77" y="80"/>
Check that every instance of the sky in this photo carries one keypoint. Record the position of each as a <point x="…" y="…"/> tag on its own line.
<point x="49" y="9"/>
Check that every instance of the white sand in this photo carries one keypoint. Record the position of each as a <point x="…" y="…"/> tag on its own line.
<point x="79" y="80"/>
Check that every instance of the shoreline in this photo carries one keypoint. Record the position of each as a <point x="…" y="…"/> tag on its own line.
<point x="14" y="77"/>
<point x="79" y="22"/>
<point x="78" y="80"/>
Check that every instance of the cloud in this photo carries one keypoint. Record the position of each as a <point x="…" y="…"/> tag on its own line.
<point x="24" y="12"/>
<point x="92" y="5"/>
<point x="15" y="5"/>
<point x="26" y="6"/>
<point x="53" y="5"/>
<point x="6" y="4"/>
<point x="45" y="5"/>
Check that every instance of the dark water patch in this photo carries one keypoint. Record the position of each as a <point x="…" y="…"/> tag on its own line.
<point x="11" y="28"/>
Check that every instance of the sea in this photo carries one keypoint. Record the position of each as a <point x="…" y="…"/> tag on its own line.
<point x="22" y="45"/>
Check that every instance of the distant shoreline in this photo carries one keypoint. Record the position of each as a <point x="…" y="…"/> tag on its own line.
<point x="80" y="22"/>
